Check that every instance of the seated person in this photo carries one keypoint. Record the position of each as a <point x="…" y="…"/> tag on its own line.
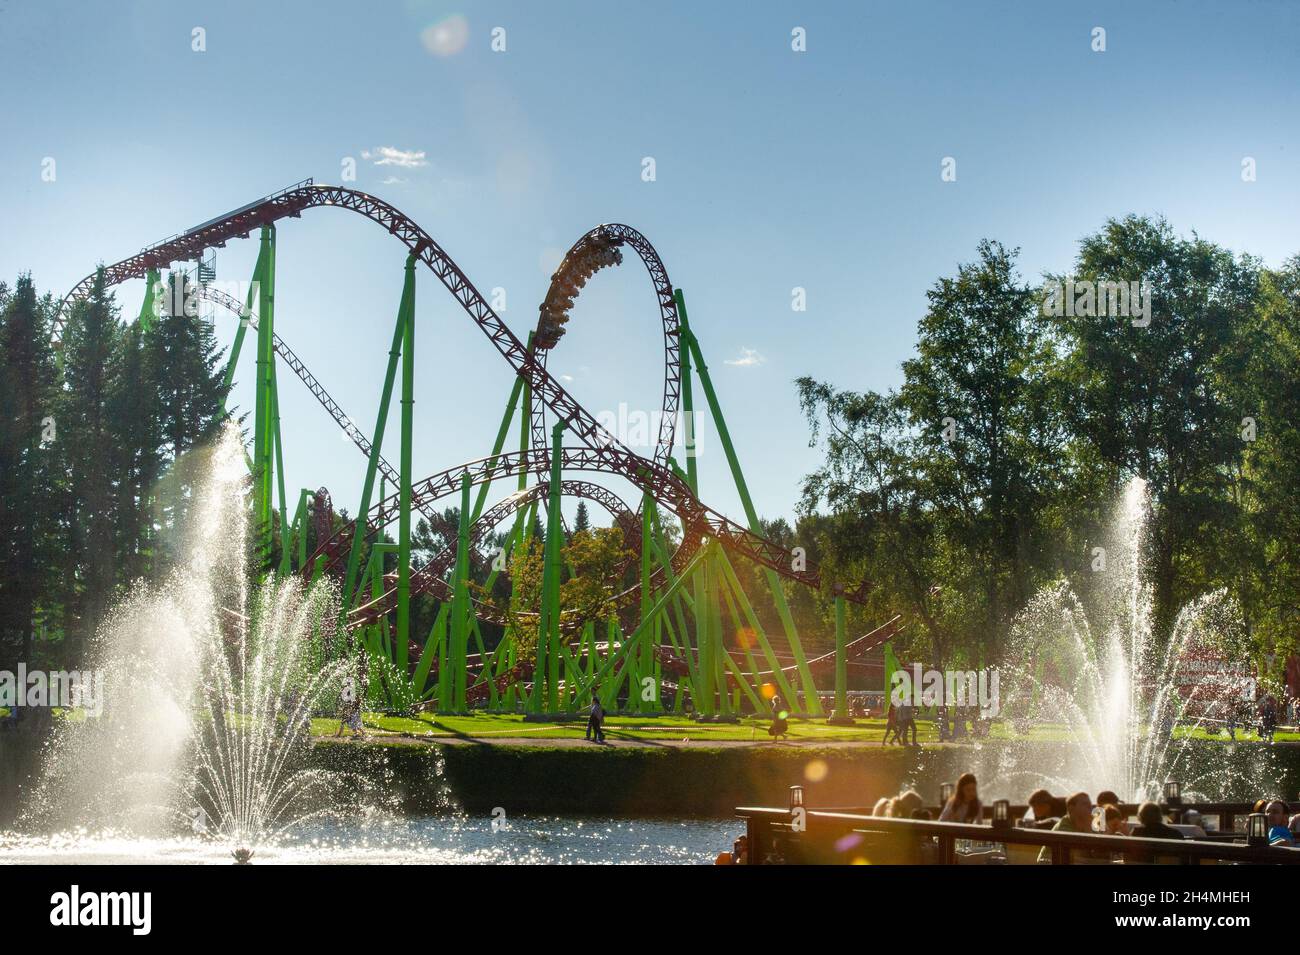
<point x="1077" y="818"/>
<point x="1040" y="815"/>
<point x="1110" y="820"/>
<point x="1279" y="833"/>
<point x="1151" y="825"/>
<point x="907" y="804"/>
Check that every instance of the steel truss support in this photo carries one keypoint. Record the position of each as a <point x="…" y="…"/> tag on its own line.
<point x="811" y="700"/>
<point x="264" y="412"/>
<point x="405" y="314"/>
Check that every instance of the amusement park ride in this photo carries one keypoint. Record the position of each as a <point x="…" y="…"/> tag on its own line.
<point x="669" y="637"/>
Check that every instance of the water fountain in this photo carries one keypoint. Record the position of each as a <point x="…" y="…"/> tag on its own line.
<point x="211" y="685"/>
<point x="1096" y="668"/>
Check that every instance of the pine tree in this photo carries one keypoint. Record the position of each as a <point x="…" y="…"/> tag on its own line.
<point x="183" y="370"/>
<point x="581" y="521"/>
<point x="30" y="480"/>
<point x="90" y="349"/>
<point x="137" y="453"/>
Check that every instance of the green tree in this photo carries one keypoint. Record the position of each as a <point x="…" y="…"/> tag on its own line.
<point x="594" y="557"/>
<point x="1259" y="559"/>
<point x="31" y="485"/>
<point x="185" y="373"/>
<point x="581" y="520"/>
<point x="90" y="352"/>
<point x="1150" y="399"/>
<point x="137" y="453"/>
<point x="979" y="396"/>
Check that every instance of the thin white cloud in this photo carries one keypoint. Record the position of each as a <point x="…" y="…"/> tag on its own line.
<point x="392" y="156"/>
<point x="393" y="181"/>
<point x="749" y="357"/>
<point x="566" y="378"/>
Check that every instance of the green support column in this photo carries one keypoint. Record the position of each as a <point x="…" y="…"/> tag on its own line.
<point x="285" y="564"/>
<point x="892" y="666"/>
<point x="551" y="573"/>
<point x="460" y="604"/>
<point x="720" y="655"/>
<point x="263" y="425"/>
<point x="704" y="634"/>
<point x="149" y="307"/>
<point x="650" y="641"/>
<point x="607" y="677"/>
<point x="254" y="293"/>
<point x="774" y="584"/>
<point x="404" y="492"/>
<point x="377" y="438"/>
<point x="841" y="715"/>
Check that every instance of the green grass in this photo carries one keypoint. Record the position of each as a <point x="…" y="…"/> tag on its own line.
<point x="488" y="726"/>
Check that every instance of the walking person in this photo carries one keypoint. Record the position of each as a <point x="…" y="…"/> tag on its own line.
<point x="350" y="709"/>
<point x="891" y="725"/>
<point x="595" y="718"/>
<point x="906" y="723"/>
<point x="780" y="727"/>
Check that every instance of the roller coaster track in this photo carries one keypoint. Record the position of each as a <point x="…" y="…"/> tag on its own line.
<point x="650" y="476"/>
<point x="625" y="235"/>
<point x="299" y="368"/>
<point x="447" y="482"/>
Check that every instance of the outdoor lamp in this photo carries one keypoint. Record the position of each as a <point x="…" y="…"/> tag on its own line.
<point x="1002" y="814"/>
<point x="1173" y="793"/>
<point x="1257" y="829"/>
<point x="796" y="798"/>
<point x="945" y="792"/>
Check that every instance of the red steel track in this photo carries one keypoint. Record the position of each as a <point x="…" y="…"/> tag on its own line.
<point x="625" y="235"/>
<point x="600" y="450"/>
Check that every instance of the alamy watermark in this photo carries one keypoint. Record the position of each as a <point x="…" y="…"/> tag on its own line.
<point x="635" y="428"/>
<point x="133" y="910"/>
<point x="1088" y="299"/>
<point x="921" y="687"/>
<point x="74" y="689"/>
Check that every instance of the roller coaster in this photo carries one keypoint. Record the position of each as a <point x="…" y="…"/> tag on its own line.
<point x="665" y="641"/>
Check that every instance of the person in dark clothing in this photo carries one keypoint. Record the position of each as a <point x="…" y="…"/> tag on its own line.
<point x="595" y="720"/>
<point x="1151" y="825"/>
<point x="1268" y="719"/>
<point x="1040" y="814"/>
<point x="906" y="722"/>
<point x="891" y="727"/>
<point x="780" y="724"/>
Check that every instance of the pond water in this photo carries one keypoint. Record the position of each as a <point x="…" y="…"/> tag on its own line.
<point x="524" y="840"/>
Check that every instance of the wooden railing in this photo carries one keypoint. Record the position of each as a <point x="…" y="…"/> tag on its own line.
<point x="1224" y="813"/>
<point x="837" y="837"/>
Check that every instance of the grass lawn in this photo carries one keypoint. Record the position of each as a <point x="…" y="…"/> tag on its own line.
<point x="487" y="726"/>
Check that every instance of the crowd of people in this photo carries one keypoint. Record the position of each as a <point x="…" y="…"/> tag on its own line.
<point x="1079" y="813"/>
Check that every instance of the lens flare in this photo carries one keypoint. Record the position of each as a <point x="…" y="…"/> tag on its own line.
<point x="446" y="37"/>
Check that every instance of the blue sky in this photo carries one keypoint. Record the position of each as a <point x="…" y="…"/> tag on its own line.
<point x="774" y="169"/>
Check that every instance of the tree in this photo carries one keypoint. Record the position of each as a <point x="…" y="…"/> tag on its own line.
<point x="136" y="456"/>
<point x="595" y="557"/>
<point x="188" y="383"/>
<point x="1149" y="398"/>
<point x="980" y="399"/>
<point x="881" y="526"/>
<point x="582" y="520"/>
<point x="1259" y="559"/>
<point x="30" y="471"/>
<point x="90" y="353"/>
